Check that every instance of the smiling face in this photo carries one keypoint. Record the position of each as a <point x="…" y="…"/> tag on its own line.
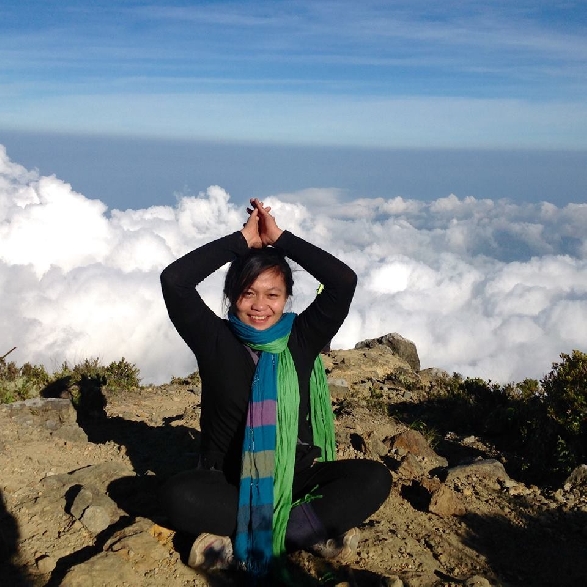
<point x="261" y="304"/>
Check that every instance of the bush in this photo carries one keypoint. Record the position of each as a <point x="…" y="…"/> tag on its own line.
<point x="123" y="375"/>
<point x="117" y="375"/>
<point x="565" y="394"/>
<point x="565" y="388"/>
<point x="20" y="383"/>
<point x="541" y="426"/>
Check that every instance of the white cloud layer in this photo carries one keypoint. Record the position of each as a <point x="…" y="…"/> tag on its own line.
<point x="486" y="288"/>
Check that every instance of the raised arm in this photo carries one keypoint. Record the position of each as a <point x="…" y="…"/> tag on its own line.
<point x="320" y="321"/>
<point x="192" y="318"/>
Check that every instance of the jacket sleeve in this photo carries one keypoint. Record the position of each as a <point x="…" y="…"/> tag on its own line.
<point x="321" y="320"/>
<point x="192" y="318"/>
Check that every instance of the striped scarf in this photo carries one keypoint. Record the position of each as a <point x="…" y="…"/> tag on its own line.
<point x="270" y="441"/>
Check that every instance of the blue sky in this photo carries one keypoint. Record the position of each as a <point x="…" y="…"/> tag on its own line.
<point x="372" y="74"/>
<point x="135" y="102"/>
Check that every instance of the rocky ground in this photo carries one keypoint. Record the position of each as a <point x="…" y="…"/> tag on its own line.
<point x="79" y="504"/>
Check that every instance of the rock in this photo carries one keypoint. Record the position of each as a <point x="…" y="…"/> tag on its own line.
<point x="338" y="387"/>
<point x="434" y="373"/>
<point x="46" y="564"/>
<point x="444" y="502"/>
<point x="577" y="480"/>
<point x="486" y="469"/>
<point x="41" y="417"/>
<point x="93" y="476"/>
<point x="402" y="347"/>
<point x="106" y="568"/>
<point x="477" y="581"/>
<point x="377" y="447"/>
<point x="412" y="442"/>
<point x="411" y="468"/>
<point x="360" y="368"/>
<point x="95" y="510"/>
<point x="95" y="519"/>
<point x="81" y="502"/>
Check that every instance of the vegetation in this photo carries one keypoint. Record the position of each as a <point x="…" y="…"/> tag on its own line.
<point x="20" y="383"/>
<point x="541" y="426"/>
<point x="191" y="379"/>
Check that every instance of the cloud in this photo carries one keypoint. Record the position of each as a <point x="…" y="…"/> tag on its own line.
<point x="484" y="287"/>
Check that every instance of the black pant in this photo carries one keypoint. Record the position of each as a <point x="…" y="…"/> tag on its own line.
<point x="350" y="491"/>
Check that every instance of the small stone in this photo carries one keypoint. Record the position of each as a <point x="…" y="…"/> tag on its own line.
<point x="81" y="502"/>
<point x="477" y="581"/>
<point x="95" y="519"/>
<point x="444" y="502"/>
<point x="46" y="564"/>
<point x="393" y="581"/>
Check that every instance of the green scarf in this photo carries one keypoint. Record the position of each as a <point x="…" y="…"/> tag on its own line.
<point x="270" y="441"/>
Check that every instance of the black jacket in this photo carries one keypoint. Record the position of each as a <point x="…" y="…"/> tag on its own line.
<point x="226" y="367"/>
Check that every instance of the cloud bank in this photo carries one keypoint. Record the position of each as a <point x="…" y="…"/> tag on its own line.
<point x="485" y="288"/>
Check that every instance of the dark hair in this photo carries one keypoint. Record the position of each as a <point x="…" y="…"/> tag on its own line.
<point x="243" y="271"/>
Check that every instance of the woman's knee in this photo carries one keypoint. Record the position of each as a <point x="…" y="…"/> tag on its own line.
<point x="200" y="501"/>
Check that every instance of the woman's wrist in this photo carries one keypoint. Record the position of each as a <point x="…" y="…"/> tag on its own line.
<point x="274" y="236"/>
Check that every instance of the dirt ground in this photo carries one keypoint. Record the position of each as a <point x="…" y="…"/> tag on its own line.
<point x="472" y="525"/>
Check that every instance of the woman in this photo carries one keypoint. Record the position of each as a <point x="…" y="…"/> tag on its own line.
<point x="266" y="476"/>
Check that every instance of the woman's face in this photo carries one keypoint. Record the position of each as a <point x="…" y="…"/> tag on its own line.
<point x="261" y="305"/>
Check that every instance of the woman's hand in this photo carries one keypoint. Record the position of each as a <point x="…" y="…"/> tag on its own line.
<point x="267" y="228"/>
<point x="251" y="230"/>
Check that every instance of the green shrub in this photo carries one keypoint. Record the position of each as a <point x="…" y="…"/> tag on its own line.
<point x="565" y="395"/>
<point x="19" y="383"/>
<point x="117" y="375"/>
<point x="191" y="379"/>
<point x="565" y="388"/>
<point x="123" y="375"/>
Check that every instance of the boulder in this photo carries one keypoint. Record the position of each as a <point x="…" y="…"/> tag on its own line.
<point x="39" y="418"/>
<point x="489" y="470"/>
<point x="402" y="347"/>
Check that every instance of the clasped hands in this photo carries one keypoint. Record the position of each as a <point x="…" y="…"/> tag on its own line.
<point x="260" y="230"/>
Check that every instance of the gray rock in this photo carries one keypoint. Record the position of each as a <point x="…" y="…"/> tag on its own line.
<point x="338" y="387"/>
<point x="42" y="417"/>
<point x="402" y="347"/>
<point x="95" y="518"/>
<point x="477" y="581"/>
<point x="435" y="373"/>
<point x="94" y="477"/>
<point x="486" y="469"/>
<point x="81" y="502"/>
<point x="95" y="510"/>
